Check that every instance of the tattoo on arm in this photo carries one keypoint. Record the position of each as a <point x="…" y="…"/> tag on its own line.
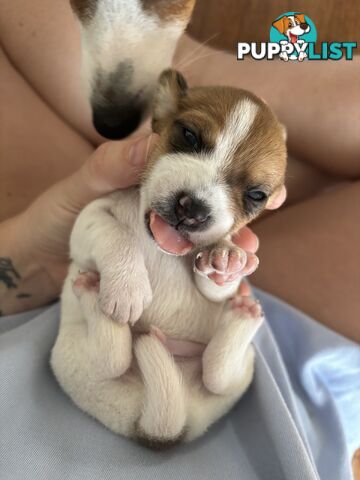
<point x="10" y="279"/>
<point x="8" y="274"/>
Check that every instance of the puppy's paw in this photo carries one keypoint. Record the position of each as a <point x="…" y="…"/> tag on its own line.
<point x="247" y="308"/>
<point x="124" y="299"/>
<point x="225" y="263"/>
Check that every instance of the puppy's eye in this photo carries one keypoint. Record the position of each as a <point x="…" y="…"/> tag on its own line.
<point x="190" y="138"/>
<point x="256" y="196"/>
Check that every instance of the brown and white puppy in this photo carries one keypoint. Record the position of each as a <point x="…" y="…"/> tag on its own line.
<point x="126" y="44"/>
<point x="155" y="350"/>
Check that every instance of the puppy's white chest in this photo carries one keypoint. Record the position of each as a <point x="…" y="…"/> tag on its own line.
<point x="178" y="308"/>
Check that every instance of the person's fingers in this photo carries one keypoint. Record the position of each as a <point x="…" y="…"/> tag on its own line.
<point x="246" y="239"/>
<point x="278" y="199"/>
<point x="252" y="263"/>
<point x="114" y="165"/>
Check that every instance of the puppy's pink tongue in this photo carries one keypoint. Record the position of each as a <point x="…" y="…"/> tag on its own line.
<point x="167" y="237"/>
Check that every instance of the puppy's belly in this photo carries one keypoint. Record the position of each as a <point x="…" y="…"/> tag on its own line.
<point x="182" y="315"/>
<point x="177" y="308"/>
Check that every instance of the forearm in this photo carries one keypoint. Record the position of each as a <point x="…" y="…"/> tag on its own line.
<point x="24" y="283"/>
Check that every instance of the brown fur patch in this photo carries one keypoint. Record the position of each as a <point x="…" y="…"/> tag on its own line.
<point x="282" y="24"/>
<point x="259" y="163"/>
<point x="300" y="17"/>
<point x="168" y="10"/>
<point x="84" y="9"/>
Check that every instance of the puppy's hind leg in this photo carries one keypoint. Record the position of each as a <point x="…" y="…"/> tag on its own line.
<point x="228" y="360"/>
<point x="163" y="417"/>
<point x="109" y="343"/>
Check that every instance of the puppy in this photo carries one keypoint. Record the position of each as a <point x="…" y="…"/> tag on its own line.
<point x="125" y="47"/>
<point x="157" y="349"/>
<point x="292" y="26"/>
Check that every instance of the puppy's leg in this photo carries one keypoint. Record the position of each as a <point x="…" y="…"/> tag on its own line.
<point x="102" y="242"/>
<point x="163" y="416"/>
<point x="109" y="344"/>
<point x="228" y="358"/>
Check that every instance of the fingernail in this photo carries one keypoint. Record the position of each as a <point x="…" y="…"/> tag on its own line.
<point x="254" y="267"/>
<point x="139" y="150"/>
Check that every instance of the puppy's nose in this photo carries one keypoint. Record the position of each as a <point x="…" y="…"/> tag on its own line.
<point x="115" y="123"/>
<point x="191" y="211"/>
<point x="304" y="26"/>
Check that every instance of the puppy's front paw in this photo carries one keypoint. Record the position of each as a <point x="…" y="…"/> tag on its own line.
<point x="123" y="299"/>
<point x="224" y="263"/>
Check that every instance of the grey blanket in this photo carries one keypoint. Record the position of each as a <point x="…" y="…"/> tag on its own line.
<point x="289" y="425"/>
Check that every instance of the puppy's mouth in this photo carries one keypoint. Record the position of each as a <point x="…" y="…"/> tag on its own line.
<point x="167" y="236"/>
<point x="293" y="38"/>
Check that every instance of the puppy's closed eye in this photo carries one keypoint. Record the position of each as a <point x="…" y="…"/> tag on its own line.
<point x="256" y="195"/>
<point x="254" y="200"/>
<point x="191" y="138"/>
<point x="186" y="139"/>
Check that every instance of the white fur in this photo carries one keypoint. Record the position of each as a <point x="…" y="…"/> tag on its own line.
<point x="121" y="30"/>
<point x="144" y="392"/>
<point x="175" y="172"/>
<point x="237" y="127"/>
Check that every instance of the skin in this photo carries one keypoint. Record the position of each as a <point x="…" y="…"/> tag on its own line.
<point x="42" y="104"/>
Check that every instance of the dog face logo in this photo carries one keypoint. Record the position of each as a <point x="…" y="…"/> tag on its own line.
<point x="293" y="26"/>
<point x="288" y="30"/>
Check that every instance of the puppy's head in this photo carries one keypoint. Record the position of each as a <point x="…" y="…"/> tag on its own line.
<point x="125" y="47"/>
<point x="292" y="25"/>
<point x="220" y="161"/>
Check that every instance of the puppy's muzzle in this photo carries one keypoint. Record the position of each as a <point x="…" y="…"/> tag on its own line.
<point x="191" y="211"/>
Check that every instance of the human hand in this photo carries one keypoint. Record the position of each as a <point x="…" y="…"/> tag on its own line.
<point x="36" y="241"/>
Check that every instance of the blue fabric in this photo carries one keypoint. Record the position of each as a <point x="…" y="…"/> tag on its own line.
<point x="323" y="375"/>
<point x="300" y="419"/>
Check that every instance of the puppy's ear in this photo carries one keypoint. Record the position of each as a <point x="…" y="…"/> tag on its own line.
<point x="283" y="131"/>
<point x="171" y="88"/>
<point x="300" y="17"/>
<point x="281" y="24"/>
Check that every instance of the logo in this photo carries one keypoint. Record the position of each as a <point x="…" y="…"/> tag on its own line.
<point x="293" y="37"/>
<point x="293" y="32"/>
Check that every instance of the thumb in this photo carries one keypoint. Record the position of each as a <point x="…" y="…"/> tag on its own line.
<point x="277" y="200"/>
<point x="113" y="165"/>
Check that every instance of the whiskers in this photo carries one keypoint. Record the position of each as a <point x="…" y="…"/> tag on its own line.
<point x="199" y="53"/>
